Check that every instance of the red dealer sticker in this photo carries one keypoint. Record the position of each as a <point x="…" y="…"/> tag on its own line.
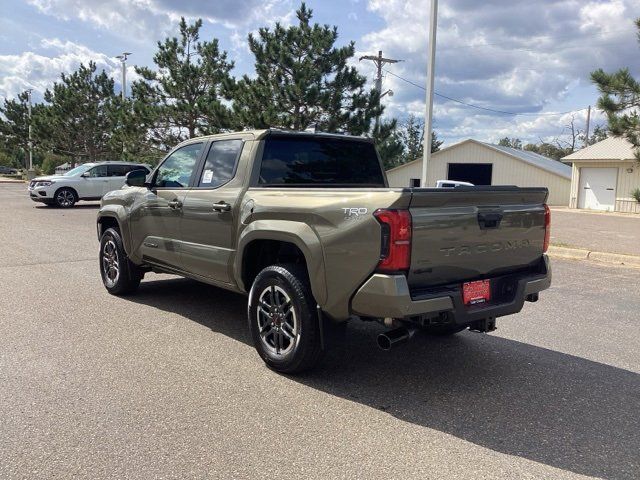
<point x="476" y="292"/>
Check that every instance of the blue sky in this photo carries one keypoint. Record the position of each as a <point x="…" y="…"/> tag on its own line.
<point x="510" y="55"/>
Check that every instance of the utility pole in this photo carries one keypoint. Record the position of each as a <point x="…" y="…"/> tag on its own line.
<point x="380" y="62"/>
<point x="123" y="61"/>
<point x="29" y="92"/>
<point x="431" y="63"/>
<point x="586" y="135"/>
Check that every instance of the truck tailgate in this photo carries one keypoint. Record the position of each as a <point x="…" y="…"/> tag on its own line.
<point x="473" y="233"/>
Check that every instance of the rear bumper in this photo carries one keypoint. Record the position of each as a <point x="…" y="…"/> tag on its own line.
<point x="389" y="296"/>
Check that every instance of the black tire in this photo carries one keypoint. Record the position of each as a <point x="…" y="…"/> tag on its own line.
<point x="444" y="330"/>
<point x="287" y="342"/>
<point x="65" y="198"/>
<point x="127" y="278"/>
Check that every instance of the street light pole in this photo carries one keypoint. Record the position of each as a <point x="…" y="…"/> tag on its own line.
<point x="428" y="118"/>
<point x="29" y="91"/>
<point x="123" y="61"/>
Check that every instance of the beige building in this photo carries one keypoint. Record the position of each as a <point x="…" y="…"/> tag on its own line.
<point x="603" y="176"/>
<point x="487" y="164"/>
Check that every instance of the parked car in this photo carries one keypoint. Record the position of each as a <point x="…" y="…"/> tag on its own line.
<point x="7" y="170"/>
<point x="452" y="184"/>
<point x="306" y="225"/>
<point x="89" y="181"/>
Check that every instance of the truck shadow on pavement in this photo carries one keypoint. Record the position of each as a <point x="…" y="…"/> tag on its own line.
<point x="557" y="409"/>
<point x="79" y="206"/>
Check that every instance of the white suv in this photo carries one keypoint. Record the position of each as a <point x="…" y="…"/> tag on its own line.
<point x="86" y="182"/>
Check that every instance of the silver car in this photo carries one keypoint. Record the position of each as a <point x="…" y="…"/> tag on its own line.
<point x="89" y="181"/>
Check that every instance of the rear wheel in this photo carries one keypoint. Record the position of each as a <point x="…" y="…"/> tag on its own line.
<point x="65" y="198"/>
<point x="283" y="320"/>
<point x="120" y="276"/>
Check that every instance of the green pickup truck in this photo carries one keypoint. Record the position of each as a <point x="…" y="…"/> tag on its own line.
<point x="307" y="226"/>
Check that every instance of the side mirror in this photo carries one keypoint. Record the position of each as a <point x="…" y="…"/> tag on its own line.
<point x="136" y="178"/>
<point x="86" y="175"/>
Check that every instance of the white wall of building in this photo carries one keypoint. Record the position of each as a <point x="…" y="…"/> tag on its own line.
<point x="507" y="170"/>
<point x="627" y="181"/>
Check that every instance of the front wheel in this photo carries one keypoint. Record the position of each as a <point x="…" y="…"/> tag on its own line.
<point x="65" y="198"/>
<point x="283" y="320"/>
<point x="119" y="275"/>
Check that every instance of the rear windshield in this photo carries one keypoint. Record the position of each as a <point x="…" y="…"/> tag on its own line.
<point x="318" y="161"/>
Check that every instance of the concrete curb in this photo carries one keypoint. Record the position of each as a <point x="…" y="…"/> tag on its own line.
<point x="7" y="180"/>
<point x="602" y="257"/>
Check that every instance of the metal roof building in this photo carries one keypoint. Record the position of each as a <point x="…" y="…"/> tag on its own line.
<point x="486" y="164"/>
<point x="604" y="175"/>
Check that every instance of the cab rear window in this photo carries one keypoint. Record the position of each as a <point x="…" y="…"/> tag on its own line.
<point x="318" y="161"/>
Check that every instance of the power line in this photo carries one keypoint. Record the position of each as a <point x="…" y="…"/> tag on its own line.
<point x="484" y="108"/>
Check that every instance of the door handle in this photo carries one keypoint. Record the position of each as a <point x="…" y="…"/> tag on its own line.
<point x="488" y="220"/>
<point x="222" y="206"/>
<point x="175" y="204"/>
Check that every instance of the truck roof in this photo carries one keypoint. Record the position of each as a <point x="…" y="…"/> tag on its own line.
<point x="263" y="133"/>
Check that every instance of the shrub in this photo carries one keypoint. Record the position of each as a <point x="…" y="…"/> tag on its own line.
<point x="51" y="161"/>
<point x="635" y="193"/>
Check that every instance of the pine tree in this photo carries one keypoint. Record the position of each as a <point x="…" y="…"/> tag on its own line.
<point x="388" y="143"/>
<point x="77" y="120"/>
<point x="620" y="101"/>
<point x="413" y="138"/>
<point x="184" y="96"/>
<point x="14" y="125"/>
<point x="130" y="135"/>
<point x="303" y="80"/>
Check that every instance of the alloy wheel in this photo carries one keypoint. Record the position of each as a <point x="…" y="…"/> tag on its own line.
<point x="277" y="321"/>
<point x="110" y="263"/>
<point x="65" y="198"/>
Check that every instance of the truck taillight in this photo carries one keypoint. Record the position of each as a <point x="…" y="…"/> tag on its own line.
<point x="395" y="249"/>
<point x="547" y="228"/>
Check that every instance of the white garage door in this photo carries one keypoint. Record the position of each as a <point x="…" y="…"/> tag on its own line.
<point x="598" y="188"/>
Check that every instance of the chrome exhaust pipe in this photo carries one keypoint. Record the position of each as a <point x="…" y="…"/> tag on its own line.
<point x="393" y="338"/>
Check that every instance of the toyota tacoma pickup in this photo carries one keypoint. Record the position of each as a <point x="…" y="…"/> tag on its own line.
<point x="306" y="225"/>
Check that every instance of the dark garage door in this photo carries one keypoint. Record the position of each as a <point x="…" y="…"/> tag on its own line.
<point x="476" y="173"/>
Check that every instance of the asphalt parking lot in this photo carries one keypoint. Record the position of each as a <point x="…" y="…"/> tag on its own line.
<point x="608" y="232"/>
<point x="165" y="384"/>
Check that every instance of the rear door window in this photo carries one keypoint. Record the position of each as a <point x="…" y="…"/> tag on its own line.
<point x="118" y="170"/>
<point x="220" y="165"/>
<point x="318" y="161"/>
